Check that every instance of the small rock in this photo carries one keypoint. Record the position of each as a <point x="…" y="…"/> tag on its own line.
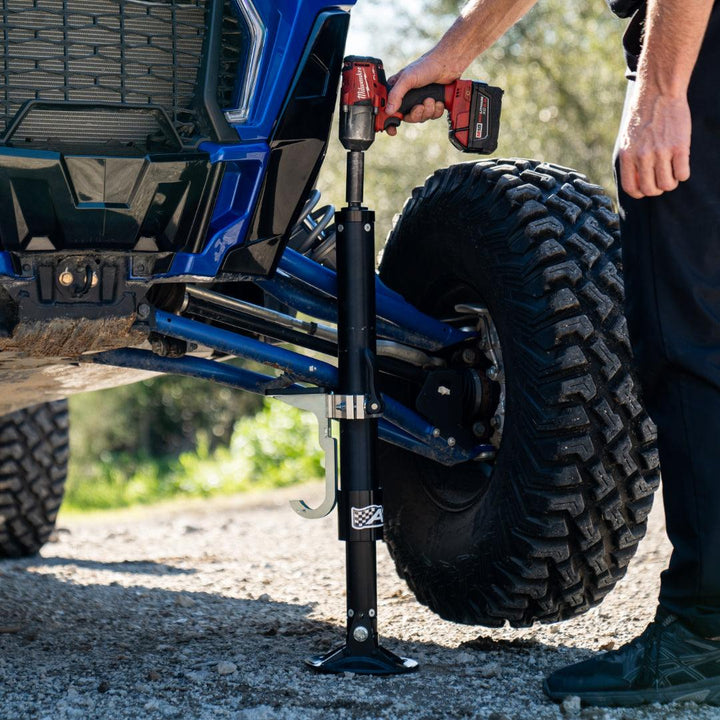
<point x="184" y="601"/>
<point x="264" y="598"/>
<point x="103" y="687"/>
<point x="190" y="529"/>
<point x="197" y="676"/>
<point x="226" y="668"/>
<point x="610" y="645"/>
<point x="570" y="705"/>
<point x="489" y="670"/>
<point x="498" y="716"/>
<point x="594" y="713"/>
<point x="153" y="676"/>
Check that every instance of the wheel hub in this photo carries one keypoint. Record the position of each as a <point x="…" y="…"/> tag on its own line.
<point x="487" y="354"/>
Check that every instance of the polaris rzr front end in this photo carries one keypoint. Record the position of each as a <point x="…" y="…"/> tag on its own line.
<point x="144" y="146"/>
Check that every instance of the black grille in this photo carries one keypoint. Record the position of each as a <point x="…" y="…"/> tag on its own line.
<point x="233" y="48"/>
<point x="131" y="52"/>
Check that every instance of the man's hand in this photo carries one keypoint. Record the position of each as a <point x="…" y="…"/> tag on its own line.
<point x="655" y="145"/>
<point x="655" y="137"/>
<point x="432" y="67"/>
<point x="480" y="24"/>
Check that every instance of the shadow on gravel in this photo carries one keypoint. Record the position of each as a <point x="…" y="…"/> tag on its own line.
<point x="72" y="651"/>
<point x="141" y="567"/>
<point x="100" y="628"/>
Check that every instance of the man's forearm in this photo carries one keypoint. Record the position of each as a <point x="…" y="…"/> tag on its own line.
<point x="674" y="31"/>
<point x="479" y="25"/>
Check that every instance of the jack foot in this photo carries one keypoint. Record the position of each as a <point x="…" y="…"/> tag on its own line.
<point x="378" y="662"/>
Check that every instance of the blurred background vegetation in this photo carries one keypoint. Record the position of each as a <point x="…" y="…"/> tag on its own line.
<point x="562" y="72"/>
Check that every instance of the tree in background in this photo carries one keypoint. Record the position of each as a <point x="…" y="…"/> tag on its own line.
<point x="562" y="71"/>
<point x="162" y="417"/>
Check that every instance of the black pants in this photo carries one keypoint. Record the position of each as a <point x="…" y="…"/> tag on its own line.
<point x="672" y="272"/>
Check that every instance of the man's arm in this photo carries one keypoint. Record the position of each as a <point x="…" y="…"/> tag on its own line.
<point x="480" y="24"/>
<point x="655" y="137"/>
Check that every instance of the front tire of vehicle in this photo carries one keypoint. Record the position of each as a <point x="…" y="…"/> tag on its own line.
<point x="546" y="530"/>
<point x="33" y="467"/>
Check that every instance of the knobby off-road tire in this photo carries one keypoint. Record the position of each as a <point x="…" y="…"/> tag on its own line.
<point x="548" y="529"/>
<point x="33" y="466"/>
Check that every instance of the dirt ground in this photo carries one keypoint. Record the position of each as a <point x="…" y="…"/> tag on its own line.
<point x="206" y="610"/>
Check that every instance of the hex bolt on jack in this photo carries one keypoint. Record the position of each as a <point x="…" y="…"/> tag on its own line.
<point x="360" y="513"/>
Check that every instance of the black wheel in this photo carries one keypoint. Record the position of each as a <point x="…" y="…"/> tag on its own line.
<point x="33" y="466"/>
<point x="528" y="253"/>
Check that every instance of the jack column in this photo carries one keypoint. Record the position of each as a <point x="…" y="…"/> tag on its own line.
<point x="357" y="404"/>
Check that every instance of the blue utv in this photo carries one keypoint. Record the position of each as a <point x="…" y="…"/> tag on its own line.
<point x="158" y="214"/>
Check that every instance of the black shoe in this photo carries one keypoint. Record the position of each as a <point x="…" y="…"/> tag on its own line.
<point x="666" y="663"/>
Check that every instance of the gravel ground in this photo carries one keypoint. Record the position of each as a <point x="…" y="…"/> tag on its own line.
<point x="206" y="610"/>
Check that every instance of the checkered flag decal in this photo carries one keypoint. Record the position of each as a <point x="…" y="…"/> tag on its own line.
<point x="367" y="518"/>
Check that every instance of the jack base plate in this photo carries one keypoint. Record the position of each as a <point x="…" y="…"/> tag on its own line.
<point x="378" y="662"/>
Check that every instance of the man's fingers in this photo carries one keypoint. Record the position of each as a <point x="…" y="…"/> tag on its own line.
<point x="681" y="165"/>
<point x="416" y="115"/>
<point x="665" y="179"/>
<point x="650" y="175"/>
<point x="402" y="83"/>
<point x="428" y="109"/>
<point x="628" y="176"/>
<point x="645" y="164"/>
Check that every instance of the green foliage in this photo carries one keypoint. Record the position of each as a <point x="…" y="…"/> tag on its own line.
<point x="276" y="447"/>
<point x="156" y="418"/>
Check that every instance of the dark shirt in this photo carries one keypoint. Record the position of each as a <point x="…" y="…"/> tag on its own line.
<point x="632" y="40"/>
<point x="634" y="35"/>
<point x="625" y="8"/>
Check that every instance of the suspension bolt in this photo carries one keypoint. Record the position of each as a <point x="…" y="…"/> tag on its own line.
<point x="143" y="311"/>
<point x="479" y="429"/>
<point x="351" y="613"/>
<point x="469" y="356"/>
<point x="371" y="613"/>
<point x="496" y="422"/>
<point x="361" y="633"/>
<point x="340" y="228"/>
<point x="451" y="442"/>
<point x="493" y="372"/>
<point x="374" y="407"/>
<point x="436" y="432"/>
<point x="367" y="227"/>
<point x="66" y="278"/>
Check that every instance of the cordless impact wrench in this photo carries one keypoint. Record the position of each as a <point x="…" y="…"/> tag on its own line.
<point x="473" y="108"/>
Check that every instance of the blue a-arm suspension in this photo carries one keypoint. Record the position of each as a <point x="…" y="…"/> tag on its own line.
<point x="399" y="425"/>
